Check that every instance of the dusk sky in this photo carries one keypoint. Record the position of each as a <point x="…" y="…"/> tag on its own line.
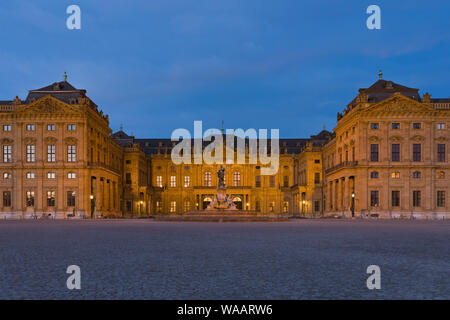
<point x="155" y="66"/>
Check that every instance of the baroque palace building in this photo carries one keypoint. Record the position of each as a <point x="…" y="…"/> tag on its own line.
<point x="388" y="157"/>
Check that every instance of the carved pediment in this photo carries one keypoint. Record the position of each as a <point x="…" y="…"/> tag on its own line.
<point x="48" y="104"/>
<point x="7" y="141"/>
<point x="396" y="138"/>
<point x="374" y="139"/>
<point x="399" y="104"/>
<point x="441" y="139"/>
<point x="29" y="140"/>
<point x="50" y="140"/>
<point x="70" y="140"/>
<point x="417" y="138"/>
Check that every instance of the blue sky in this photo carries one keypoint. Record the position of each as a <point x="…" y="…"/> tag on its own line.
<point x="155" y="66"/>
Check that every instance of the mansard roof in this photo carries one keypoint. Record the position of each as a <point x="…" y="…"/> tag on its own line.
<point x="287" y="146"/>
<point x="383" y="89"/>
<point x="63" y="91"/>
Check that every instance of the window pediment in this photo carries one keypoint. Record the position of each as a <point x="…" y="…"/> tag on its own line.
<point x="418" y="138"/>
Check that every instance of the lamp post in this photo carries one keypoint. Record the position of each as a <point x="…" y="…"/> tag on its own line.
<point x="140" y="207"/>
<point x="92" y="205"/>
<point x="303" y="207"/>
<point x="353" y="204"/>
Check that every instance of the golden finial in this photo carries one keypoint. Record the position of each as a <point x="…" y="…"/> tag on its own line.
<point x="380" y="74"/>
<point x="65" y="76"/>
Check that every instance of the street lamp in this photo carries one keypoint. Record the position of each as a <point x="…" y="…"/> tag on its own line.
<point x="140" y="208"/>
<point x="92" y="205"/>
<point x="353" y="204"/>
<point x="303" y="206"/>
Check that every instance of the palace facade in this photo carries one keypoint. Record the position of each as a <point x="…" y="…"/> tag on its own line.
<point x="387" y="156"/>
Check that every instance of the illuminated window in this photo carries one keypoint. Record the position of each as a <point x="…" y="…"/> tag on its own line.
<point x="7" y="127"/>
<point x="31" y="153"/>
<point x="187" y="205"/>
<point x="71" y="153"/>
<point x="441" y="126"/>
<point x="71" y="127"/>
<point x="71" y="175"/>
<point x="237" y="179"/>
<point x="395" y="175"/>
<point x="7" y="175"/>
<point x="7" y="153"/>
<point x="30" y="198"/>
<point x="159" y="182"/>
<point x="208" y="179"/>
<point x="30" y="127"/>
<point x="51" y="175"/>
<point x="30" y="175"/>
<point x="173" y="206"/>
<point x="51" y="153"/>
<point x="51" y="195"/>
<point x="173" y="181"/>
<point x="50" y="127"/>
<point x="187" y="181"/>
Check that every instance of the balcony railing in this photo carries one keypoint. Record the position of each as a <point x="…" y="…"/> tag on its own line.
<point x="345" y="164"/>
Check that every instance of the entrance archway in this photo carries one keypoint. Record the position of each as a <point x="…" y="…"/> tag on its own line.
<point x="238" y="202"/>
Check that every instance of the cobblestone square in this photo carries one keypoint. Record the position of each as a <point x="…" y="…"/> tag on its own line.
<point x="303" y="259"/>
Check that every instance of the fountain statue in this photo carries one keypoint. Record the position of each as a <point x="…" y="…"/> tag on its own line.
<point x="221" y="201"/>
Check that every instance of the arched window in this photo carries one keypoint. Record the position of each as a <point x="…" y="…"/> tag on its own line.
<point x="208" y="179"/>
<point x="237" y="179"/>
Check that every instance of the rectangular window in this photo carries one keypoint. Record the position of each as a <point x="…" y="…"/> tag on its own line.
<point x="207" y="179"/>
<point x="441" y="152"/>
<point x="417" y="156"/>
<point x="187" y="181"/>
<point x="71" y="198"/>
<point x="128" y="205"/>
<point x="416" y="125"/>
<point x="374" y="200"/>
<point x="272" y="181"/>
<point x="257" y="181"/>
<point x="71" y="153"/>
<point x="173" y="206"/>
<point x="395" y="198"/>
<point x="31" y="153"/>
<point x="173" y="181"/>
<point x="317" y="177"/>
<point x="51" y="175"/>
<point x="440" y="199"/>
<point x="417" y="175"/>
<point x="395" y="125"/>
<point x="441" y="126"/>
<point x="316" y="205"/>
<point x="374" y="152"/>
<point x="30" y="127"/>
<point x="71" y="175"/>
<point x="395" y="175"/>
<point x="395" y="152"/>
<point x="7" y="127"/>
<point x="159" y="182"/>
<point x="51" y="195"/>
<point x="127" y="178"/>
<point x="30" y="175"/>
<point x="30" y="198"/>
<point x="416" y="198"/>
<point x="374" y="126"/>
<point x="71" y="127"/>
<point x="7" y="198"/>
<point x="51" y="153"/>
<point x="374" y="175"/>
<point x="286" y="181"/>
<point x="7" y="153"/>
<point x="50" y="127"/>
